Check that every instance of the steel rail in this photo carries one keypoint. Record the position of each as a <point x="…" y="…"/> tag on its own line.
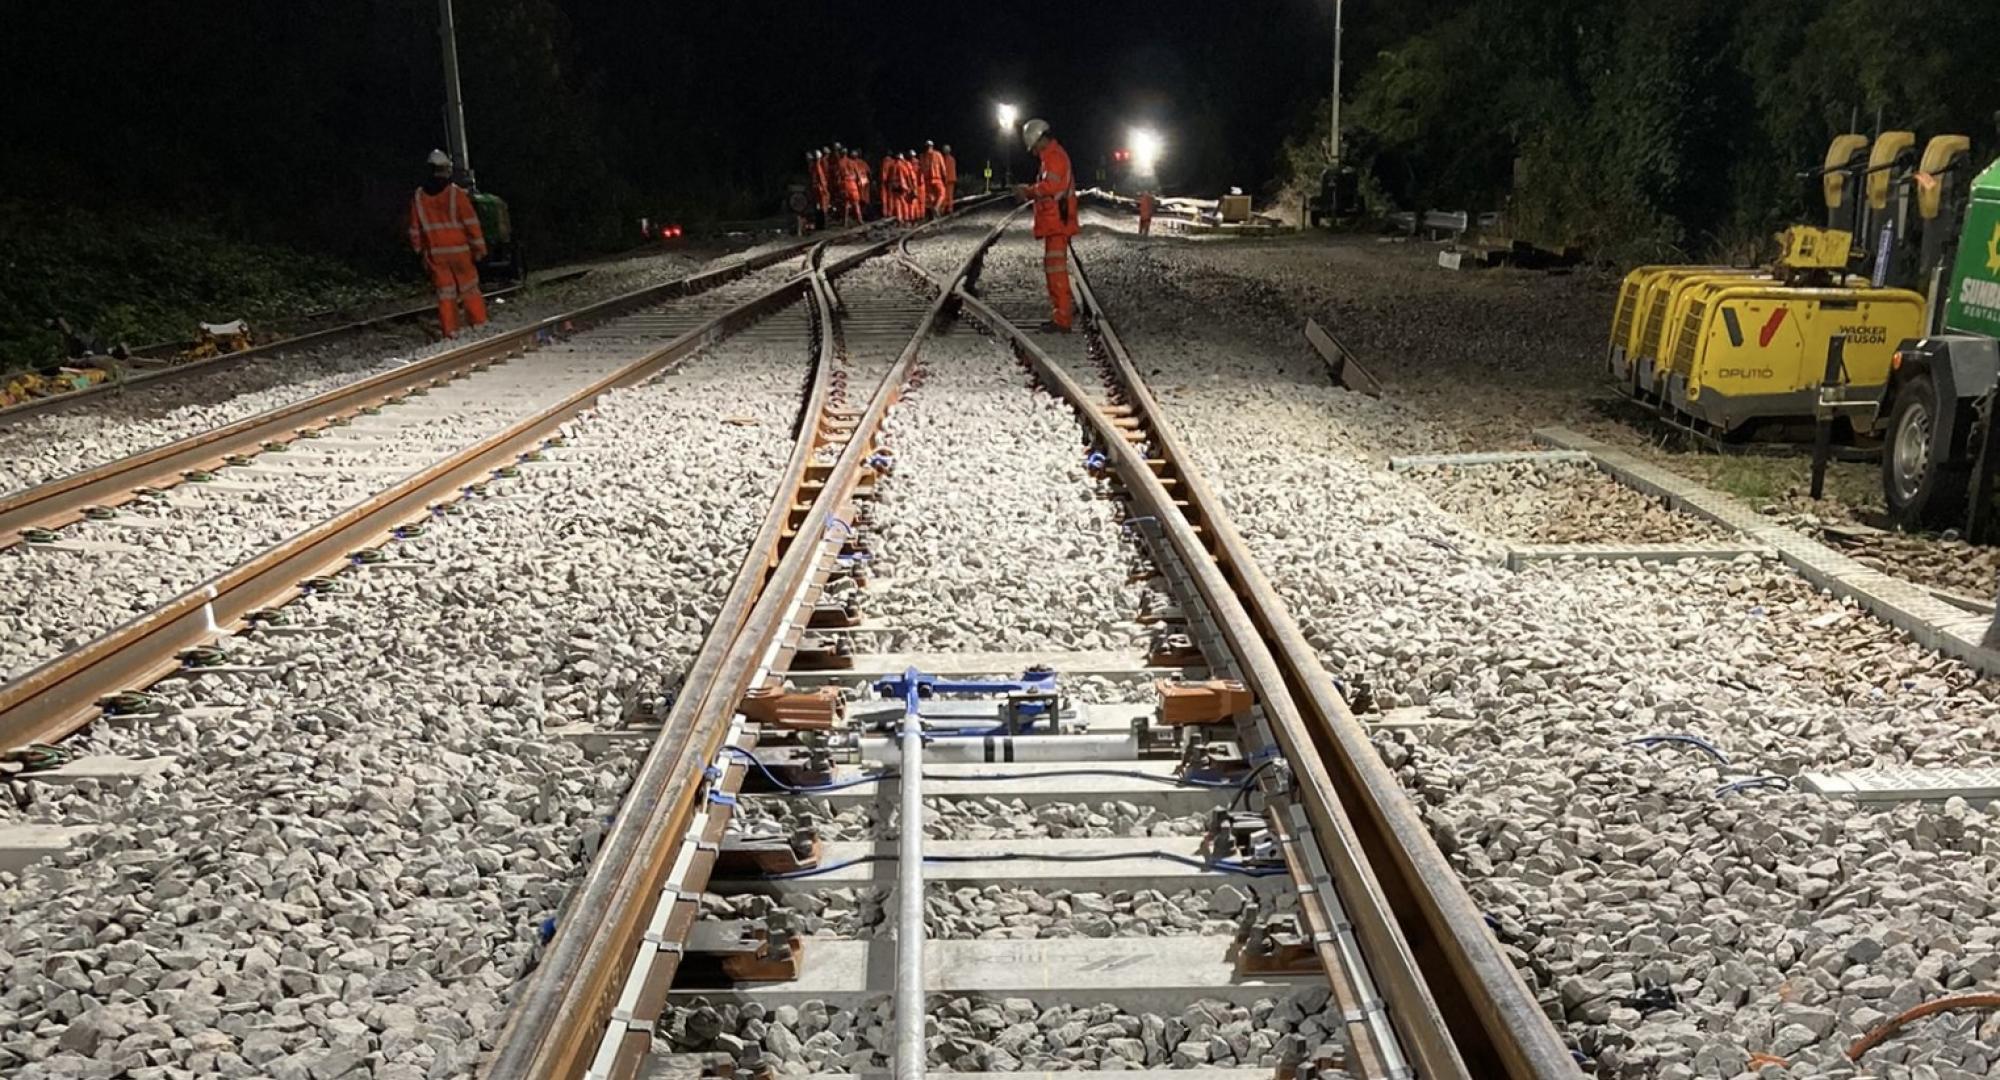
<point x="63" y="500"/>
<point x="560" y="1020"/>
<point x="63" y="694"/>
<point x="580" y="948"/>
<point x="1412" y="1011"/>
<point x="1494" y="1021"/>
<point x="167" y="369"/>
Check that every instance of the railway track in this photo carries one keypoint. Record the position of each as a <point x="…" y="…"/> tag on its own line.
<point x="1226" y="876"/>
<point x="153" y="554"/>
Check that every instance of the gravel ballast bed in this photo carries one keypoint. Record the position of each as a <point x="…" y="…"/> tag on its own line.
<point x="1562" y="503"/>
<point x="973" y="1034"/>
<point x="988" y="818"/>
<point x="37" y="449"/>
<point x="963" y="912"/>
<point x="989" y="534"/>
<point x="347" y="868"/>
<point x="60" y="600"/>
<point x="1783" y="923"/>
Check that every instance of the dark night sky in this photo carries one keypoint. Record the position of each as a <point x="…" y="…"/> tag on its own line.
<point x="296" y="121"/>
<point x="1223" y="81"/>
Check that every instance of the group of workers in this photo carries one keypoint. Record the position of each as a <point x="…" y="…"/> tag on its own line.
<point x="916" y="185"/>
<point x="444" y="228"/>
<point x="910" y="187"/>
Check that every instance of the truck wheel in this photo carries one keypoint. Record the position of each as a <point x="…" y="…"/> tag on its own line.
<point x="1923" y="487"/>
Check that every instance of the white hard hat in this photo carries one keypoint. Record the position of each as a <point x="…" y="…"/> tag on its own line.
<point x="1032" y="132"/>
<point x="440" y="160"/>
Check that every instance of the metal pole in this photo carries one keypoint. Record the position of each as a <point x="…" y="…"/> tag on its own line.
<point x="454" y="102"/>
<point x="1333" y="145"/>
<point x="1836" y="350"/>
<point x="910" y="1052"/>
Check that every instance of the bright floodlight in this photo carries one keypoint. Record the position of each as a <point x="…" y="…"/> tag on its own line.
<point x="1008" y="114"/>
<point x="1146" y="146"/>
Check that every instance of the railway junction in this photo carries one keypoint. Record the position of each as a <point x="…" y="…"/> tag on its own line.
<point x="1030" y="628"/>
<point x="551" y="705"/>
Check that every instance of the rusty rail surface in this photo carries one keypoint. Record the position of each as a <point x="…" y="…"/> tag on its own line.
<point x="166" y="369"/>
<point x="62" y="695"/>
<point x="1494" y="1024"/>
<point x="1411" y="1009"/>
<point x="575" y="1015"/>
<point x="62" y="500"/>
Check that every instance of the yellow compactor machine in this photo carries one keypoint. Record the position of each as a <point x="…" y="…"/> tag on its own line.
<point x="1721" y="349"/>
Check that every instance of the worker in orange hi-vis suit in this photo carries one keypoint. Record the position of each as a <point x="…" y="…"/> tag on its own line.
<point x="932" y="165"/>
<point x="852" y="176"/>
<point x="1054" y="195"/>
<point x="913" y="175"/>
<point x="816" y="183"/>
<point x="828" y="184"/>
<point x="859" y="162"/>
<point x="902" y="199"/>
<point x="890" y="210"/>
<point x="444" y="229"/>
<point x="950" y="178"/>
<point x="892" y="187"/>
<point x="1145" y="213"/>
<point x="904" y="195"/>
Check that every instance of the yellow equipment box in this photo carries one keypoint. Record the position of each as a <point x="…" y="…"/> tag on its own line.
<point x="1643" y="302"/>
<point x="1750" y="350"/>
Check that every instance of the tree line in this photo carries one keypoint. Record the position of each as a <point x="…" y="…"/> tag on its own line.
<point x="1640" y="130"/>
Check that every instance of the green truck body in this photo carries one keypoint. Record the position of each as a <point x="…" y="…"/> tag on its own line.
<point x="1973" y="304"/>
<point x="494" y="220"/>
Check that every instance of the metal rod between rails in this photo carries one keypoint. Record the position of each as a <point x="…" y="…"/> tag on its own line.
<point x="910" y="1052"/>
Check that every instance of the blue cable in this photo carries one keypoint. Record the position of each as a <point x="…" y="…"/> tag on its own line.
<point x="1222" y="865"/>
<point x="806" y="789"/>
<point x="871" y="778"/>
<point x="1647" y="742"/>
<point x="1750" y="782"/>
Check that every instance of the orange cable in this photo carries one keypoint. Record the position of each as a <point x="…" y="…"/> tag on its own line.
<point x="1929" y="1008"/>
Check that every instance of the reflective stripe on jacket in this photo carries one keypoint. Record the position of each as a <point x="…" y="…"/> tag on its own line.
<point x="445" y="223"/>
<point x="1055" y="193"/>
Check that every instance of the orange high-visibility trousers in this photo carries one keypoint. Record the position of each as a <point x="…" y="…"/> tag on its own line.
<point x="1055" y="267"/>
<point x="456" y="280"/>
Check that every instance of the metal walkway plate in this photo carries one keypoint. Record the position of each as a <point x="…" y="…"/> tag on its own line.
<point x="1908" y="607"/>
<point x="1500" y="457"/>
<point x="1907" y="784"/>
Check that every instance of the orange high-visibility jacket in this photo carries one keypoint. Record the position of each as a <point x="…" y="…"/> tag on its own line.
<point x="950" y="173"/>
<point x="911" y="177"/>
<point x="1055" y="194"/>
<point x="933" y="166"/>
<point x="861" y="177"/>
<point x="445" y="223"/>
<point x="892" y="172"/>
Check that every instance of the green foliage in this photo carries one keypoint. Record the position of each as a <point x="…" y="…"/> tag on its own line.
<point x="1642" y="130"/>
<point x="145" y="280"/>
